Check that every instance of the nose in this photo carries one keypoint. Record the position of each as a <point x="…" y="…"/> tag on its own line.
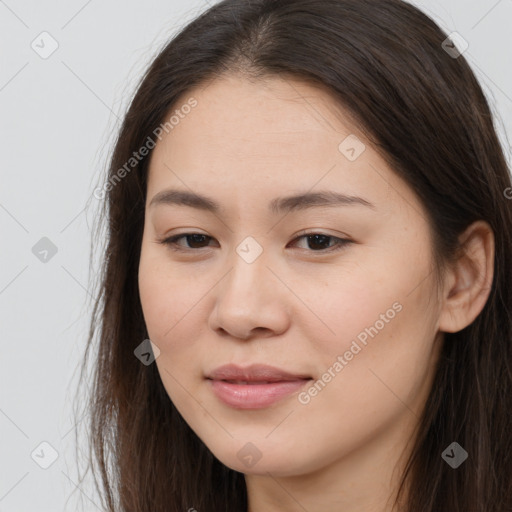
<point x="250" y="301"/>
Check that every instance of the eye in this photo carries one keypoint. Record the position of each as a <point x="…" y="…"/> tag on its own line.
<point x="194" y="239"/>
<point x="317" y="242"/>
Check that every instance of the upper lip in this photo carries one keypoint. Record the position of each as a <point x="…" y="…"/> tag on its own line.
<point x="253" y="373"/>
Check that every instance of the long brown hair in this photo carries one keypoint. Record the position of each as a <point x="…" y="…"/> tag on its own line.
<point x="422" y="107"/>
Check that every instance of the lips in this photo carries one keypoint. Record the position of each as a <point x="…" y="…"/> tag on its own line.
<point x="254" y="387"/>
<point x="251" y="382"/>
<point x="254" y="374"/>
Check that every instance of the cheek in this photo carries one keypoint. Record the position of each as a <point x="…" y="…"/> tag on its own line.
<point x="380" y="316"/>
<point x="168" y="306"/>
<point x="365" y="386"/>
<point x="350" y="308"/>
<point x="172" y="305"/>
<point x="154" y="297"/>
<point x="384" y="355"/>
<point x="162" y="300"/>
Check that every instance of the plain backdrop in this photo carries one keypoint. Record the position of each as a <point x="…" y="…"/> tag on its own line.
<point x="58" y="116"/>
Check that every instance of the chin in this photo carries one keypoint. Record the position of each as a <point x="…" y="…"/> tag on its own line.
<point x="247" y="458"/>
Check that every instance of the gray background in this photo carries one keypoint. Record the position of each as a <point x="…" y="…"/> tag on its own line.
<point x="58" y="118"/>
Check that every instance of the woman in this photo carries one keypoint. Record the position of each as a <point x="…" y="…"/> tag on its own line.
<point x="308" y="218"/>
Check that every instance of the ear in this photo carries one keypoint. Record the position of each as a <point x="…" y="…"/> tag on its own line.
<point x="468" y="283"/>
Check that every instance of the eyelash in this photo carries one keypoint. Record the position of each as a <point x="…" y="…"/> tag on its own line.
<point x="171" y="242"/>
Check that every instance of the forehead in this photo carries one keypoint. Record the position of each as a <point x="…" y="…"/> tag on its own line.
<point x="280" y="135"/>
<point x="255" y="118"/>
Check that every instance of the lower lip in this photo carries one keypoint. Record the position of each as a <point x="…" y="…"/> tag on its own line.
<point x="254" y="396"/>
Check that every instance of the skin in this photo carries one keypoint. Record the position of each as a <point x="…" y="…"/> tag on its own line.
<point x="298" y="306"/>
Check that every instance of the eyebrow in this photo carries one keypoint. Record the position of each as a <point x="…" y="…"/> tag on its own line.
<point x="278" y="205"/>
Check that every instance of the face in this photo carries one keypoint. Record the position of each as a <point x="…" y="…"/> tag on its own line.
<point x="338" y="293"/>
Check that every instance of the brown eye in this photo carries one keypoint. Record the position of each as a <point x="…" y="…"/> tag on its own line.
<point x="193" y="241"/>
<point x="318" y="242"/>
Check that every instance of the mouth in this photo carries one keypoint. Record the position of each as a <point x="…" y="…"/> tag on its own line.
<point x="254" y="395"/>
<point x="254" y="387"/>
<point x="254" y="382"/>
<point x="253" y="374"/>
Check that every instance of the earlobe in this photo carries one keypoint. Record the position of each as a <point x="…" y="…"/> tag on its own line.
<point x="470" y="280"/>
